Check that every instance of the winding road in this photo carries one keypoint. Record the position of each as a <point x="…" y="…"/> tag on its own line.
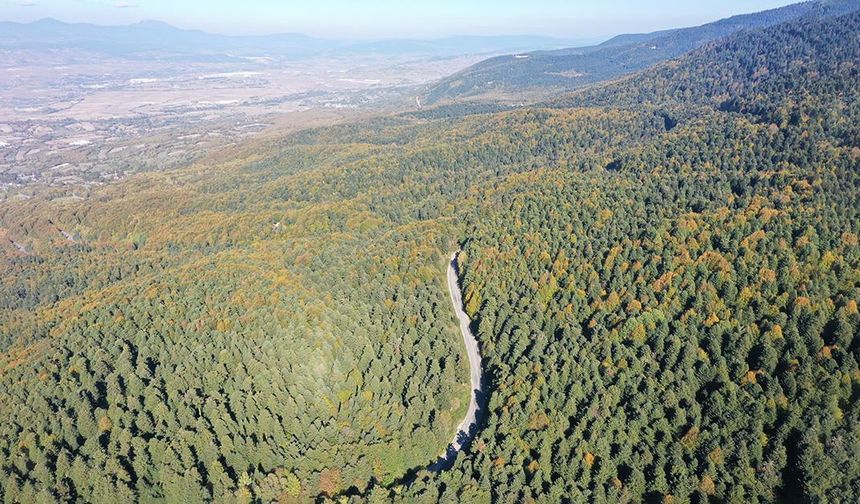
<point x="467" y="428"/>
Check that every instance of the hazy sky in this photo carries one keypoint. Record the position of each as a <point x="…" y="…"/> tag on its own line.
<point x="393" y="18"/>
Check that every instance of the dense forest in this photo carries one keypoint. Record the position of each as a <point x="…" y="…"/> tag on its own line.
<point x="543" y="73"/>
<point x="663" y="273"/>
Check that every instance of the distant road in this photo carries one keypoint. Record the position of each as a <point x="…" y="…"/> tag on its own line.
<point x="467" y="428"/>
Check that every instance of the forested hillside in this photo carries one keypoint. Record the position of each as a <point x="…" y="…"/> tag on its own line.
<point x="548" y="72"/>
<point x="680" y="324"/>
<point x="663" y="274"/>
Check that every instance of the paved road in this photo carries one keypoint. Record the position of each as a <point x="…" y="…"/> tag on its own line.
<point x="466" y="430"/>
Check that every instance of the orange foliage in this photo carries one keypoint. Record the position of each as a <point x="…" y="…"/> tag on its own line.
<point x="767" y="275"/>
<point x="329" y="481"/>
<point x="663" y="281"/>
<point x="751" y="376"/>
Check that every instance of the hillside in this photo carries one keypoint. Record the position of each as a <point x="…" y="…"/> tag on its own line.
<point x="663" y="274"/>
<point x="540" y="74"/>
<point x="679" y="321"/>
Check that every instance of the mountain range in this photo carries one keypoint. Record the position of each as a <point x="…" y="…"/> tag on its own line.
<point x="141" y="39"/>
<point x="542" y="73"/>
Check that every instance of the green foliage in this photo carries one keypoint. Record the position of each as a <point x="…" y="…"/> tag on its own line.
<point x="665" y="292"/>
<point x="544" y="73"/>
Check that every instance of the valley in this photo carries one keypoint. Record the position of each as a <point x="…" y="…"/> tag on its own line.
<point x="74" y="125"/>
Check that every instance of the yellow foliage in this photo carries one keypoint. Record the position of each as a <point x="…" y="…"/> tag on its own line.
<point x="151" y="292"/>
<point x="610" y="258"/>
<point x="716" y="455"/>
<point x="752" y="240"/>
<point x="751" y="376"/>
<point x="638" y="333"/>
<point x="663" y="281"/>
<point x="105" y="424"/>
<point x="803" y="187"/>
<point x="689" y="439"/>
<point x="776" y="332"/>
<point x="589" y="459"/>
<point x="712" y="320"/>
<point x="707" y="485"/>
<point x="473" y="300"/>
<point x="827" y="351"/>
<point x="344" y="395"/>
<point x="828" y="259"/>
<point x="715" y="261"/>
<point x="612" y="302"/>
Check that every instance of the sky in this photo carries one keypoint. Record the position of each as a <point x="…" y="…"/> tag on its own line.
<point x="394" y="18"/>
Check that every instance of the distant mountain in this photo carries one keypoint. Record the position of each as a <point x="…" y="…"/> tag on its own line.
<point x="567" y="69"/>
<point x="142" y="39"/>
<point x="146" y="37"/>
<point x="460" y="45"/>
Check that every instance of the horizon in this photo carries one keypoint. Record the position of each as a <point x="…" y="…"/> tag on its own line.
<point x="296" y="33"/>
<point x="380" y="19"/>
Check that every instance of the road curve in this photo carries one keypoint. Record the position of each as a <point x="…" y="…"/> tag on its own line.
<point x="467" y="428"/>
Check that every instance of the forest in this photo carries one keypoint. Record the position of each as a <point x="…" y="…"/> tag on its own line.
<point x="547" y="73"/>
<point x="663" y="273"/>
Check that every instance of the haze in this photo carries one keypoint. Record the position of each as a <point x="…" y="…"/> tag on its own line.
<point x="389" y="18"/>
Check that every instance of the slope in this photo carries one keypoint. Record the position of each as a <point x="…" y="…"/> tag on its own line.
<point x="679" y="322"/>
<point x="544" y="73"/>
<point x="665" y="294"/>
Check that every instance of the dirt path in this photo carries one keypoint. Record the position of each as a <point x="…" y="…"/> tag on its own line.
<point x="466" y="430"/>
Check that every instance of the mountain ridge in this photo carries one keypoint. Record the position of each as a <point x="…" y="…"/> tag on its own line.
<point x="548" y="72"/>
<point x="149" y="35"/>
